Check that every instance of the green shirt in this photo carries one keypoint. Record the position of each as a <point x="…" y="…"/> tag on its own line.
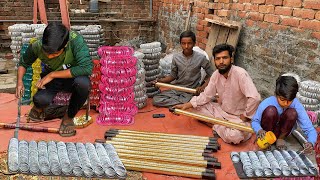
<point x="75" y="56"/>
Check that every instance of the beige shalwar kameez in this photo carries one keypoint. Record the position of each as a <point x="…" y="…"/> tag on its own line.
<point x="237" y="95"/>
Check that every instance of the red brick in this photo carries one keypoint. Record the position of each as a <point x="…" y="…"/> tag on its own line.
<point x="202" y="34"/>
<point x="256" y="16"/>
<point x="311" y="4"/>
<point x="244" y="1"/>
<point x="204" y="40"/>
<point x="313" y="25"/>
<point x="202" y="22"/>
<point x="249" y="23"/>
<point x="225" y="1"/>
<point x="242" y="14"/>
<point x="258" y="1"/>
<point x="200" y="28"/>
<point x="304" y="13"/>
<point x="263" y="25"/>
<point x="202" y="46"/>
<point x="316" y="35"/>
<point x="317" y="16"/>
<point x="288" y="21"/>
<point x="266" y="9"/>
<point x="237" y="6"/>
<point x="274" y="2"/>
<point x="279" y="27"/>
<point x="223" y="13"/>
<point x="200" y="16"/>
<point x="292" y="3"/>
<point x="271" y="18"/>
<point x="286" y="11"/>
<point x="250" y="7"/>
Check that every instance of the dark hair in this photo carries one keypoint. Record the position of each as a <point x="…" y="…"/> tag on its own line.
<point x="223" y="47"/>
<point x="55" y="37"/>
<point x="287" y="87"/>
<point x="188" y="34"/>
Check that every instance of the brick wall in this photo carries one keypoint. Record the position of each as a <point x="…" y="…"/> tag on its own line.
<point x="116" y="9"/>
<point x="277" y="36"/>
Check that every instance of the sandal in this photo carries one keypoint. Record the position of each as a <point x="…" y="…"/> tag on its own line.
<point x="65" y="131"/>
<point x="281" y="144"/>
<point x="35" y="115"/>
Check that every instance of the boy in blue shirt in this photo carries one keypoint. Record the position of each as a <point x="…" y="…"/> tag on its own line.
<point x="281" y="112"/>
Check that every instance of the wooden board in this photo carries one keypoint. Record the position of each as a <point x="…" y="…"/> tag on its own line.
<point x="222" y="31"/>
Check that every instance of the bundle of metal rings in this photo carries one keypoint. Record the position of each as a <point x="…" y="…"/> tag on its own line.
<point x="65" y="159"/>
<point x="140" y="91"/>
<point x="274" y="163"/>
<point x="93" y="35"/>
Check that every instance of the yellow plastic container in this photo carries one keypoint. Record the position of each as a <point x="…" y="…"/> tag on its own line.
<point x="268" y="140"/>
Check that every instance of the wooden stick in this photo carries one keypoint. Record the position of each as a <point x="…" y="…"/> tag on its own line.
<point x="212" y="120"/>
<point x="30" y="128"/>
<point x="168" y="169"/>
<point x="178" y="88"/>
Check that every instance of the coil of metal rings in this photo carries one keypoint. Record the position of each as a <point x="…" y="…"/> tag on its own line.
<point x="150" y="61"/>
<point x="150" y="45"/>
<point x="306" y="100"/>
<point x="123" y="82"/>
<point x="310" y="86"/>
<point x="120" y="61"/>
<point x="138" y="55"/>
<point x="156" y="55"/>
<point x="303" y="168"/>
<point x="125" y="109"/>
<point x="115" y="119"/>
<point x="282" y="163"/>
<point x="151" y="67"/>
<point x="256" y="165"/>
<point x="114" y="72"/>
<point x="153" y="72"/>
<point x="292" y="165"/>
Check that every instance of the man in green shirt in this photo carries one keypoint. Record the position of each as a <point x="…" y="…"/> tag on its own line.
<point x="67" y="67"/>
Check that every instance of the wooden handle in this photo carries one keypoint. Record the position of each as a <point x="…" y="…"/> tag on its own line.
<point x="178" y="88"/>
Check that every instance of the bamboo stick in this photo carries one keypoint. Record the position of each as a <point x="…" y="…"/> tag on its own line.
<point x="199" y="163"/>
<point x="147" y="146"/>
<point x="211" y="120"/>
<point x="30" y="128"/>
<point x="178" y="88"/>
<point x="140" y="152"/>
<point x="163" y="135"/>
<point x="158" y="139"/>
<point x="187" y="146"/>
<point x="158" y="149"/>
<point x="168" y="169"/>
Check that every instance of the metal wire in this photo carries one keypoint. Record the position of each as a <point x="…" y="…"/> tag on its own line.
<point x="293" y="166"/>
<point x="273" y="163"/>
<point x="282" y="163"/>
<point x="303" y="168"/>
<point x="67" y="159"/>
<point x="247" y="166"/>
<point x="256" y="165"/>
<point x="264" y="163"/>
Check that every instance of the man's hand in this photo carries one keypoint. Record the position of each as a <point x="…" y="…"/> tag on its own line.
<point x="183" y="106"/>
<point x="45" y="80"/>
<point x="308" y="147"/>
<point x="244" y="118"/>
<point x="200" y="89"/>
<point x="261" y="134"/>
<point x="19" y="89"/>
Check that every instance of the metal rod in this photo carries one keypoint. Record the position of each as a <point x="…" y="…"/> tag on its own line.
<point x="164" y="143"/>
<point x="173" y="136"/>
<point x="178" y="88"/>
<point x="212" y="120"/>
<point x="28" y="128"/>
<point x="146" y="157"/>
<point x="16" y="128"/>
<point x="164" y="156"/>
<point x="301" y="139"/>
<point x="169" y="169"/>
<point x="148" y="146"/>
<point x="159" y="149"/>
<point x="159" y="139"/>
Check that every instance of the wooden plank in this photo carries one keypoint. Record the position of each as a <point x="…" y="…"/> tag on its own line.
<point x="212" y="39"/>
<point x="223" y="22"/>
<point x="234" y="37"/>
<point x="223" y="35"/>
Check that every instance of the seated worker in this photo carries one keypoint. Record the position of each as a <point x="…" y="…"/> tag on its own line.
<point x="238" y="97"/>
<point x="67" y="68"/>
<point x="185" y="72"/>
<point x="281" y="112"/>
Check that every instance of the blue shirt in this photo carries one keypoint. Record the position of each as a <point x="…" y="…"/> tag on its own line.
<point x="303" y="119"/>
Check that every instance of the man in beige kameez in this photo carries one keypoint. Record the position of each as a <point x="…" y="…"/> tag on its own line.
<point x="238" y="97"/>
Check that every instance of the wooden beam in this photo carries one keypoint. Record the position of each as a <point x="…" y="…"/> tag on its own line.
<point x="223" y="22"/>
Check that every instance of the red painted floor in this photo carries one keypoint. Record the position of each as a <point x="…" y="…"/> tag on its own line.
<point x="143" y="122"/>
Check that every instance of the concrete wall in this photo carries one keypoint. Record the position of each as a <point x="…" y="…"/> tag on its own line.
<point x="277" y="36"/>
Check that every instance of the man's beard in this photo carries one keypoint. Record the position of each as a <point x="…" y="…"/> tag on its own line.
<point x="223" y="71"/>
